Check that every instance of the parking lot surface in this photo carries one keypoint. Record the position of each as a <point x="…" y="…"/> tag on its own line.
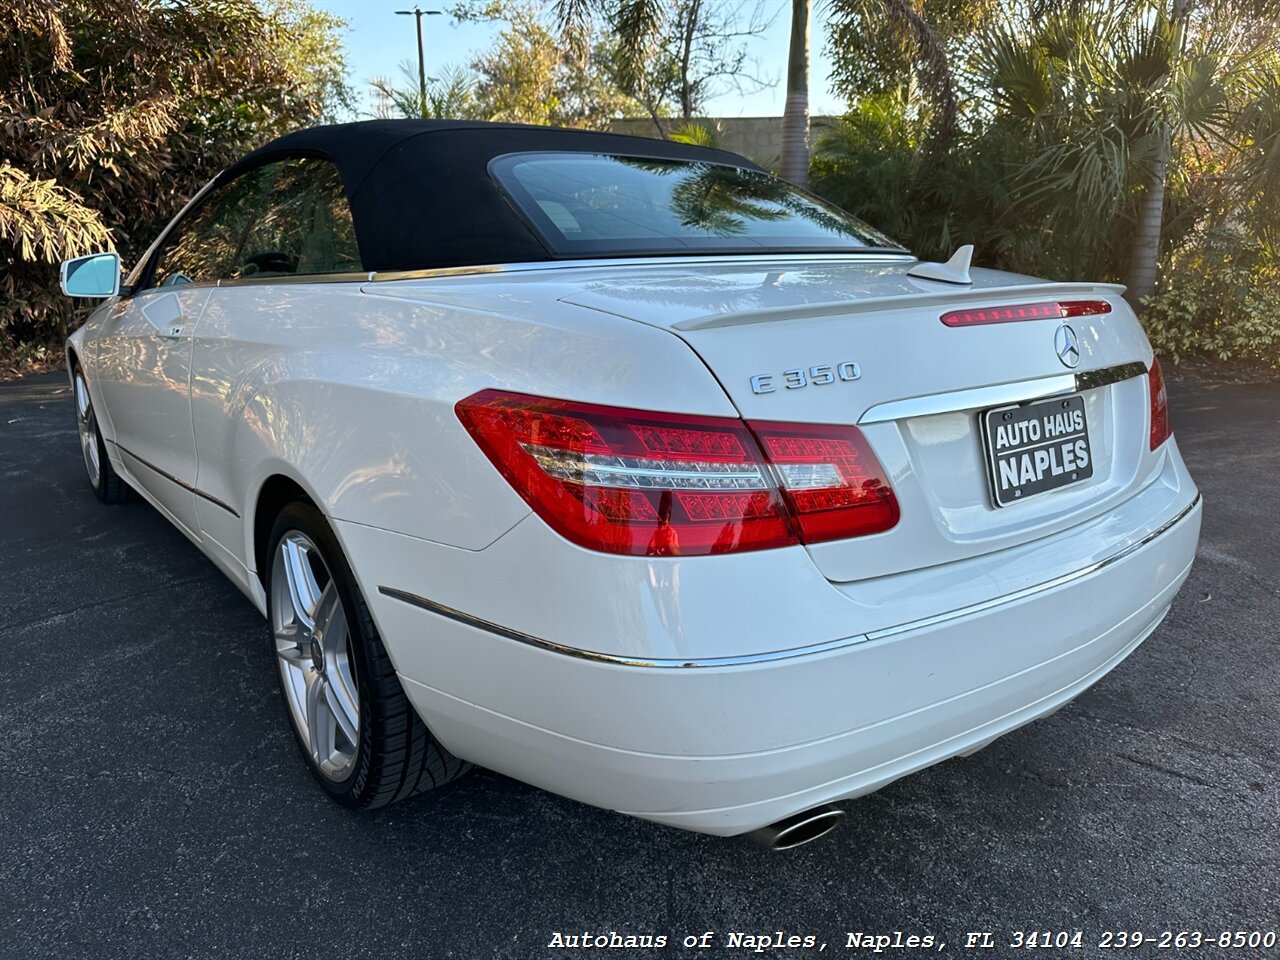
<point x="153" y="804"/>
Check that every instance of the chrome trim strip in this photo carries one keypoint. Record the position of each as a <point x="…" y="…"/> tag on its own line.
<point x="1039" y="587"/>
<point x="1021" y="391"/>
<point x="172" y="479"/>
<point x="362" y="276"/>
<point x="466" y="619"/>
<point x="431" y="273"/>
<point x="969" y="399"/>
<point x="215" y="501"/>
<point x="586" y="264"/>
<point x="1092" y="379"/>
<point x="175" y="287"/>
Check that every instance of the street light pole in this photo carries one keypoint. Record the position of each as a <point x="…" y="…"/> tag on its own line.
<point x="418" y="14"/>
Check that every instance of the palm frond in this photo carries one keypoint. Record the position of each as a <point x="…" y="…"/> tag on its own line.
<point x="573" y="17"/>
<point x="698" y="134"/>
<point x="635" y="23"/>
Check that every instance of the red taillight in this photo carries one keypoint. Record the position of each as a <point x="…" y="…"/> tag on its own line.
<point x="831" y="480"/>
<point x="1161" y="429"/>
<point x="661" y="484"/>
<point x="1049" y="310"/>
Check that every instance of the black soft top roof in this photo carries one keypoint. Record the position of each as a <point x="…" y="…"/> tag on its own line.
<point x="420" y="190"/>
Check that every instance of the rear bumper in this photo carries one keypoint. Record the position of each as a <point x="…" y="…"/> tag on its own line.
<point x="726" y="748"/>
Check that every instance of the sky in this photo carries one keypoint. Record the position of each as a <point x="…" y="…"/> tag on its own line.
<point x="377" y="41"/>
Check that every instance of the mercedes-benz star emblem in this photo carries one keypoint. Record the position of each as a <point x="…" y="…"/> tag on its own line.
<point x="1067" y="344"/>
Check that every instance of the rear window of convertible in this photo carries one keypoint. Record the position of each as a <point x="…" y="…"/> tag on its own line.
<point x="585" y="204"/>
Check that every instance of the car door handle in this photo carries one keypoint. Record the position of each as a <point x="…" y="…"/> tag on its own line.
<point x="165" y="316"/>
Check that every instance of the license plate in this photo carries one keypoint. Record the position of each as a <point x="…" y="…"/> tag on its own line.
<point x="1035" y="448"/>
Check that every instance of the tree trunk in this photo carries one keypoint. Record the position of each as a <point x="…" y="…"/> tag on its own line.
<point x="686" y="56"/>
<point x="1146" y="241"/>
<point x="657" y="121"/>
<point x="795" y="117"/>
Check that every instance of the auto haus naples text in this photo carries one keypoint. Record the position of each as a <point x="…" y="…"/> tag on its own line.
<point x="1052" y="444"/>
<point x="739" y="940"/>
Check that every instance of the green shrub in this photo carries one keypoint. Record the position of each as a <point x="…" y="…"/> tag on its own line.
<point x="1219" y="298"/>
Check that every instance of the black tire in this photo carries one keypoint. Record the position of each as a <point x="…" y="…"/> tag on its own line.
<point x="397" y="755"/>
<point x="108" y="487"/>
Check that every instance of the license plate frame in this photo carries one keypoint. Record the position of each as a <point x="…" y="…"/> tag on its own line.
<point x="1012" y="433"/>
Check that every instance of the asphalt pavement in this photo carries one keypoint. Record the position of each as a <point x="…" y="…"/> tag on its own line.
<point x="152" y="803"/>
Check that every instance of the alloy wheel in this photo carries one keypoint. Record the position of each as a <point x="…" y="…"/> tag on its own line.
<point x="313" y="650"/>
<point x="87" y="427"/>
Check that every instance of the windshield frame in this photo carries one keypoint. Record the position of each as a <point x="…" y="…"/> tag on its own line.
<point x="561" y="248"/>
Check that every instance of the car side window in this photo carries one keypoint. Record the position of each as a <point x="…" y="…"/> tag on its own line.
<point x="288" y="218"/>
<point x="203" y="247"/>
<point x="303" y="225"/>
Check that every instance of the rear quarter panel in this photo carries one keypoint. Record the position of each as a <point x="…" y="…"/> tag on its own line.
<point x="352" y="393"/>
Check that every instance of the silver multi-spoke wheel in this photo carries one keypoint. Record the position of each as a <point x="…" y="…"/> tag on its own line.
<point x="313" y="649"/>
<point x="366" y="746"/>
<point x="88" y="431"/>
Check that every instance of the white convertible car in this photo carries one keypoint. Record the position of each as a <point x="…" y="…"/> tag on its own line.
<point x="629" y="470"/>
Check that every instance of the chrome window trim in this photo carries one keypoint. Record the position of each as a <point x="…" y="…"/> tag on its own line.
<point x="433" y="273"/>
<point x="440" y="609"/>
<point x="1021" y="391"/>
<point x="668" y="261"/>
<point x="351" y="276"/>
<point x="175" y="287"/>
<point x="362" y="276"/>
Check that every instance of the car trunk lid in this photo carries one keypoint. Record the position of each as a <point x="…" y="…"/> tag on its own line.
<point x="862" y="342"/>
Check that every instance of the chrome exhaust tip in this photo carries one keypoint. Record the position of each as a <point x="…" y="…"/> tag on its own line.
<point x="798" y="829"/>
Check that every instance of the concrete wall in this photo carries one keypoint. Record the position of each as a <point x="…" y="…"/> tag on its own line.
<point x="759" y="138"/>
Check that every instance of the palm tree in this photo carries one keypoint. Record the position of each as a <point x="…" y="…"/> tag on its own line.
<point x="1104" y="100"/>
<point x="447" y="97"/>
<point x="795" y="116"/>
<point x="904" y="17"/>
<point x="1146" y="242"/>
<point x="1202" y="72"/>
<point x="1258" y="176"/>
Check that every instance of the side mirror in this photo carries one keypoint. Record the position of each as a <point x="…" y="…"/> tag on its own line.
<point x="97" y="275"/>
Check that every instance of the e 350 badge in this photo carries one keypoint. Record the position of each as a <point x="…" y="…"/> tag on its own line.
<point x="819" y="376"/>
